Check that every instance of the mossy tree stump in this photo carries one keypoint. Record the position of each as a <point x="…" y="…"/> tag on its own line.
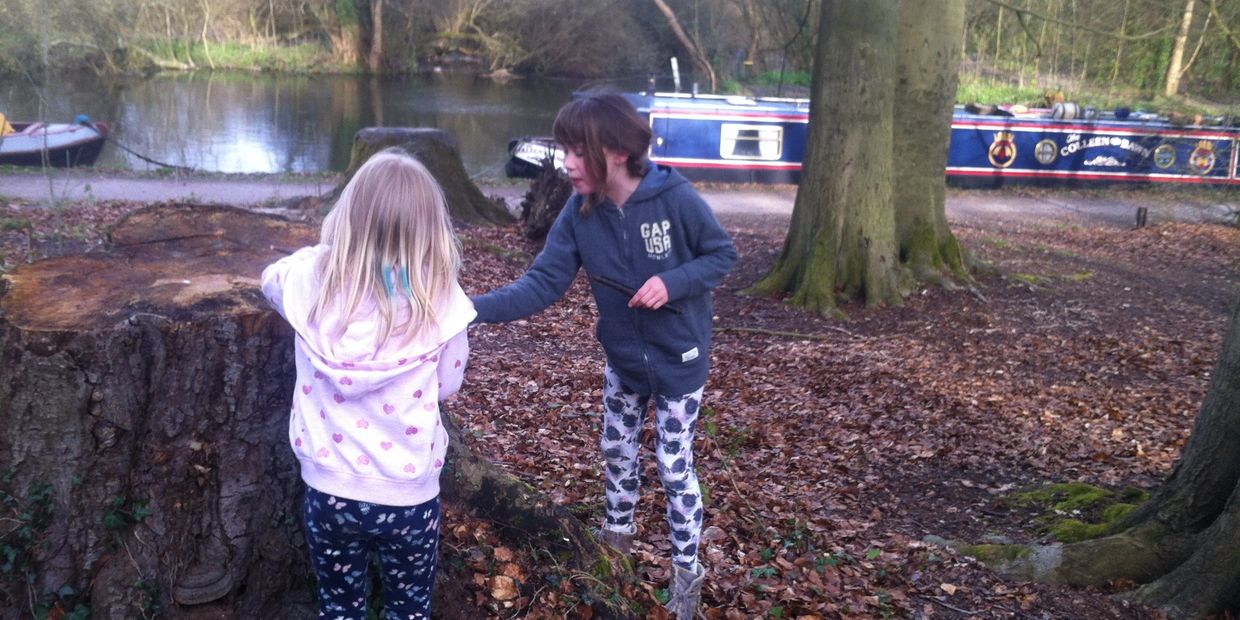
<point x="145" y="391"/>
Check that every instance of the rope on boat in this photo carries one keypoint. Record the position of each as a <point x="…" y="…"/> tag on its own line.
<point x="82" y="119"/>
<point x="148" y="159"/>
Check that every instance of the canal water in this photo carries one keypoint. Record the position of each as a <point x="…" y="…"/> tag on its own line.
<point x="244" y="122"/>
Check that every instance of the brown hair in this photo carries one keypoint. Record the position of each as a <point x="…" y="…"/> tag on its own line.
<point x="597" y="120"/>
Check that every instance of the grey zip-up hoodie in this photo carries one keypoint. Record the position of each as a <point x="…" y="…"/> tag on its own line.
<point x="664" y="229"/>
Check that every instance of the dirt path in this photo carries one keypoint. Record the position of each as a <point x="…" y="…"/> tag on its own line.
<point x="1113" y="208"/>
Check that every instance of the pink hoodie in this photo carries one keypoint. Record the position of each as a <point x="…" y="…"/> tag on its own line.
<point x="365" y="422"/>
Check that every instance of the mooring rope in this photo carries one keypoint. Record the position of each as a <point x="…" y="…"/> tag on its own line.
<point x="145" y="158"/>
<point x="82" y="119"/>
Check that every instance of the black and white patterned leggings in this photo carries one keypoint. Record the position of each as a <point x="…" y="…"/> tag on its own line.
<point x="624" y="413"/>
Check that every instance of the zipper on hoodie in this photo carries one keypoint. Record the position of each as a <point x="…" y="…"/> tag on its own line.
<point x="641" y="338"/>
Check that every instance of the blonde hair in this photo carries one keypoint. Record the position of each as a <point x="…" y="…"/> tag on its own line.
<point x="389" y="239"/>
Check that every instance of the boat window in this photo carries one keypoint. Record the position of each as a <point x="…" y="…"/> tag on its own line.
<point x="751" y="141"/>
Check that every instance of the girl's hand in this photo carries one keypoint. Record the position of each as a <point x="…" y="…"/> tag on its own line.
<point x="652" y="294"/>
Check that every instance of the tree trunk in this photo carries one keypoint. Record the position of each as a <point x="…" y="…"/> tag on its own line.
<point x="375" y="58"/>
<point x="1183" y="543"/>
<point x="548" y="193"/>
<point x="144" y="390"/>
<point x="437" y="150"/>
<point x="842" y="236"/>
<point x="926" y="79"/>
<point x="1174" y="72"/>
<point x="699" y="60"/>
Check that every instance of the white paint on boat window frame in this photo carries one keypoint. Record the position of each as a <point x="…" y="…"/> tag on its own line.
<point x="737" y="141"/>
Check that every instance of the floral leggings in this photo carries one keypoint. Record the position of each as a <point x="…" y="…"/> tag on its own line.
<point x="624" y="413"/>
<point x="342" y="532"/>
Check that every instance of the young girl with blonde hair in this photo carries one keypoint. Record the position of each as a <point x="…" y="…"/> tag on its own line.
<point x="380" y="324"/>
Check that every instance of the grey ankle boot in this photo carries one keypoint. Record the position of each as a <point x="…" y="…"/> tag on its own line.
<point x="620" y="540"/>
<point x="686" y="591"/>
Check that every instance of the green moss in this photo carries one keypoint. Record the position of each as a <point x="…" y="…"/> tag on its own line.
<point x="1073" y="530"/>
<point x="1061" y="496"/>
<point x="1028" y="278"/>
<point x="1115" y="512"/>
<point x="1075" y="511"/>
<point x="603" y="568"/>
<point x="991" y="553"/>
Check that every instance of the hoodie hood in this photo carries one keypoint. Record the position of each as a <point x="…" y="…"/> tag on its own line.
<point x="658" y="180"/>
<point x="338" y="345"/>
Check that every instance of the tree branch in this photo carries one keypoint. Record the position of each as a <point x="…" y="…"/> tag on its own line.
<point x="1114" y="35"/>
<point x="774" y="332"/>
<point x="1222" y="25"/>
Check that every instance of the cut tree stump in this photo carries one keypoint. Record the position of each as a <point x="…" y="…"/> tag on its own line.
<point x="145" y="391"/>
<point x="437" y="151"/>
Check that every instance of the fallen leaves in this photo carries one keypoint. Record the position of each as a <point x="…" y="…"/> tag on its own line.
<point x="826" y="459"/>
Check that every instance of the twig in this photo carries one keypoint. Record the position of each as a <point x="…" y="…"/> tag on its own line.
<point x="936" y="601"/>
<point x="533" y="599"/>
<point x="759" y="521"/>
<point x="775" y="332"/>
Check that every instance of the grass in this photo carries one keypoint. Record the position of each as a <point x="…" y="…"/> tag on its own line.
<point x="973" y="88"/>
<point x="300" y="58"/>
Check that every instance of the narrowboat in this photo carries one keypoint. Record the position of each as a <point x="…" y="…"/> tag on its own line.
<point x="762" y="140"/>
<point x="58" y="145"/>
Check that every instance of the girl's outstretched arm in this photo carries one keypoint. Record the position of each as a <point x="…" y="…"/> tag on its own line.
<point x="546" y="281"/>
<point x="276" y="275"/>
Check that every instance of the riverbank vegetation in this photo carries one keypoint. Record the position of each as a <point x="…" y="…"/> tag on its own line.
<point x="1181" y="55"/>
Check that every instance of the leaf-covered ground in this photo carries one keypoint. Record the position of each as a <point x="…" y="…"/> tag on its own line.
<point x="1081" y="355"/>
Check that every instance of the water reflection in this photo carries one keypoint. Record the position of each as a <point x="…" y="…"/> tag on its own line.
<point x="238" y="122"/>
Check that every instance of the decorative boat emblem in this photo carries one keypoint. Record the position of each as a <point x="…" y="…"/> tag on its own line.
<point x="1045" y="151"/>
<point x="1164" y="156"/>
<point x="1002" y="151"/>
<point x="1202" y="159"/>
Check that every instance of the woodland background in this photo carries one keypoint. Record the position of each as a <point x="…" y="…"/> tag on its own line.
<point x="1125" y="49"/>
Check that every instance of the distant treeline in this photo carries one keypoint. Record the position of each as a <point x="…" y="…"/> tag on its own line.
<point x="1147" y="46"/>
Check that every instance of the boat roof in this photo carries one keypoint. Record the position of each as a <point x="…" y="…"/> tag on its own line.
<point x="690" y="101"/>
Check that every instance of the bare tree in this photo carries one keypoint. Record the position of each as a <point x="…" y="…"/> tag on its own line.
<point x="1174" y="70"/>
<point x="691" y="47"/>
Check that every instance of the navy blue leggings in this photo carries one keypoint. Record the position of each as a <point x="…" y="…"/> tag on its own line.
<point x="342" y="532"/>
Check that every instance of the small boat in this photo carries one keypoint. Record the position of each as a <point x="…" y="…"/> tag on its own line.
<point x="59" y="145"/>
<point x="762" y="140"/>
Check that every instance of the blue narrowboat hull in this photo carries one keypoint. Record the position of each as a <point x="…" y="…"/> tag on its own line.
<point x="988" y="152"/>
<point x="743" y="140"/>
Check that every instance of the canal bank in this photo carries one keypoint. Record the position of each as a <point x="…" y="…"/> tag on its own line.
<point x="1116" y="207"/>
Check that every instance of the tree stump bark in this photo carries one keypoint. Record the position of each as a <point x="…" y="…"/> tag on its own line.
<point x="437" y="150"/>
<point x="542" y="204"/>
<point x="145" y="390"/>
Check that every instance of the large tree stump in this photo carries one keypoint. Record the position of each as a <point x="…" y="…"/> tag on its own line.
<point x="144" y="393"/>
<point x="437" y="150"/>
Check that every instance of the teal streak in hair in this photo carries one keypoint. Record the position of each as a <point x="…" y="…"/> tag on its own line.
<point x="404" y="280"/>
